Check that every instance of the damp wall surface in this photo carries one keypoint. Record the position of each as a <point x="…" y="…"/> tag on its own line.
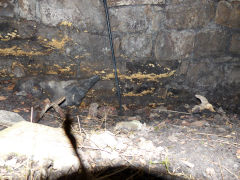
<point x="164" y="48"/>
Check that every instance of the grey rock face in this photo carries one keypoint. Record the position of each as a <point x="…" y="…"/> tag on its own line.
<point x="7" y="8"/>
<point x="129" y="19"/>
<point x="211" y="42"/>
<point x="8" y="118"/>
<point x="137" y="45"/>
<point x="54" y="12"/>
<point x="235" y="44"/>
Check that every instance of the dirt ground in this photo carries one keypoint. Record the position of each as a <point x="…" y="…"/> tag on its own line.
<point x="203" y="145"/>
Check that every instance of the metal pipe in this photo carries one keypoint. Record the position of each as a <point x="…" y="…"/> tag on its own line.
<point x="113" y="57"/>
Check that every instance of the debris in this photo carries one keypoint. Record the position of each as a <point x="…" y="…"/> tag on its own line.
<point x="191" y="165"/>
<point x="204" y="105"/>
<point x="238" y="153"/>
<point x="134" y="118"/>
<point x="93" y="110"/>
<point x="106" y="110"/>
<point x="211" y="173"/>
<point x="164" y="109"/>
<point x="153" y="115"/>
<point x="125" y="107"/>
<point x="173" y="138"/>
<point x="56" y="107"/>
<point x="129" y="125"/>
<point x="185" y="123"/>
<point x="198" y="123"/>
<point x="2" y="98"/>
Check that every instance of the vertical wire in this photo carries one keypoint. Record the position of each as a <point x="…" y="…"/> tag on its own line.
<point x="113" y="57"/>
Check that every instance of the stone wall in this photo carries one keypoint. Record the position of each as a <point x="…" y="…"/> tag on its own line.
<point x="161" y="46"/>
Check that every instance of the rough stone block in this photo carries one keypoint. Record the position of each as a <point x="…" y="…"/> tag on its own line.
<point x="228" y="14"/>
<point x="174" y="45"/>
<point x="235" y="44"/>
<point x="83" y="14"/>
<point x="129" y="19"/>
<point x="190" y="15"/>
<point x="6" y="8"/>
<point x="211" y="42"/>
<point x="133" y="2"/>
<point x="137" y="45"/>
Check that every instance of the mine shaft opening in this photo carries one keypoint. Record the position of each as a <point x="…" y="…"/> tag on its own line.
<point x="171" y="66"/>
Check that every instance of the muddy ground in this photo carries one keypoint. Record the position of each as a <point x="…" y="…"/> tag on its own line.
<point x="203" y="145"/>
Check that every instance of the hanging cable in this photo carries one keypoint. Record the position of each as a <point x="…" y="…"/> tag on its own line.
<point x="113" y="57"/>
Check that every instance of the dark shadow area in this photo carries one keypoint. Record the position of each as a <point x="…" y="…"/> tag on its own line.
<point x="119" y="173"/>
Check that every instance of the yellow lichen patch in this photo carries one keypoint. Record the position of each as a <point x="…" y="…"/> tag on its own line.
<point x="9" y="36"/>
<point x="57" y="69"/>
<point x="145" y="92"/>
<point x="58" y="44"/>
<point x="140" y="76"/>
<point x="52" y="72"/>
<point x="66" y="23"/>
<point x="54" y="43"/>
<point x="14" y="64"/>
<point x="16" y="51"/>
<point x="100" y="72"/>
<point x="64" y="70"/>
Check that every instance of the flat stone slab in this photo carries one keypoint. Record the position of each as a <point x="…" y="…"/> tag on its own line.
<point x="40" y="143"/>
<point x="8" y="118"/>
<point x="133" y="2"/>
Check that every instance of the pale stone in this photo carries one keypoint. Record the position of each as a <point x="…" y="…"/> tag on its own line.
<point x="137" y="45"/>
<point x="129" y="19"/>
<point x="39" y="142"/>
<point x="8" y="118"/>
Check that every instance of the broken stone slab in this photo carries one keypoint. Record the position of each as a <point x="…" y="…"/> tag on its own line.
<point x="73" y="89"/>
<point x="41" y="144"/>
<point x="8" y="118"/>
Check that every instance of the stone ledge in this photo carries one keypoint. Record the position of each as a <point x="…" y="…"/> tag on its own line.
<point x="112" y="3"/>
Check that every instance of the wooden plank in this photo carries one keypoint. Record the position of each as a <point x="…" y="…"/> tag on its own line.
<point x="112" y="3"/>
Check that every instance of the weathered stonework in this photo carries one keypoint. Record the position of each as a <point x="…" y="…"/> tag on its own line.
<point x="228" y="13"/>
<point x="83" y="14"/>
<point x="235" y="44"/>
<point x="189" y="15"/>
<point x="211" y="43"/>
<point x="137" y="45"/>
<point x="174" y="45"/>
<point x="159" y="45"/>
<point x="133" y="2"/>
<point x="129" y="19"/>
